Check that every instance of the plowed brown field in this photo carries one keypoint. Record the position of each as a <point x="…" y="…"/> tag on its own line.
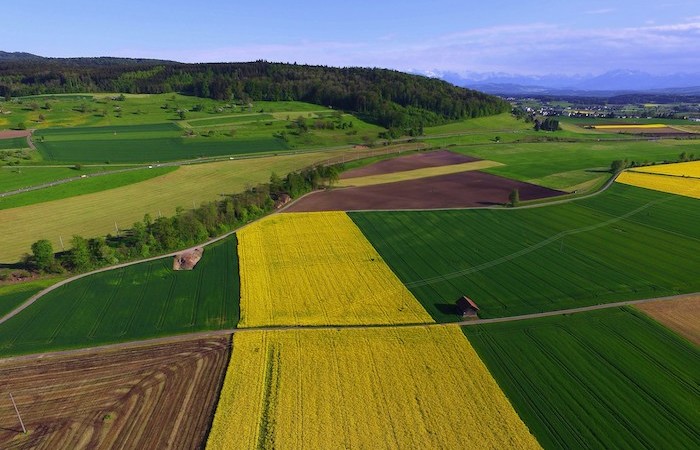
<point x="458" y="190"/>
<point x="147" y="397"/>
<point x="681" y="315"/>
<point x="409" y="162"/>
<point x="8" y="134"/>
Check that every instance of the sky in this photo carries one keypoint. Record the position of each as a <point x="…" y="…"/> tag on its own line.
<point x="527" y="38"/>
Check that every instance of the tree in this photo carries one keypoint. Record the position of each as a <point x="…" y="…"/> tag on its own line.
<point x="42" y="252"/>
<point x="79" y="254"/>
<point x="618" y="166"/>
<point x="514" y="197"/>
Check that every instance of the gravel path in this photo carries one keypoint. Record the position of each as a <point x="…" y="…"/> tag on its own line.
<point x="232" y="331"/>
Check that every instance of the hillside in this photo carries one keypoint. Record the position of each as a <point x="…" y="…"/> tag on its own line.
<point x="385" y="97"/>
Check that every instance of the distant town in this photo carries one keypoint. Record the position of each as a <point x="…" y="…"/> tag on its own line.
<point x="606" y="108"/>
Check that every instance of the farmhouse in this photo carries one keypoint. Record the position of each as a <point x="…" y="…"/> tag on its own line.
<point x="467" y="308"/>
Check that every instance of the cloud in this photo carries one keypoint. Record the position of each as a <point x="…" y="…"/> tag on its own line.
<point x="528" y="49"/>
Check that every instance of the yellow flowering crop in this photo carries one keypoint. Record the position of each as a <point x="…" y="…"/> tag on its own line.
<point x="689" y="187"/>
<point x="375" y="388"/>
<point x="647" y="126"/>
<point x="686" y="169"/>
<point x="318" y="269"/>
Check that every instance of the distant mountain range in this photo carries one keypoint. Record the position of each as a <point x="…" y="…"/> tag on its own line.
<point x="609" y="83"/>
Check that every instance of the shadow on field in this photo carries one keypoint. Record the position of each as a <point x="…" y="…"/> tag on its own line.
<point x="447" y="308"/>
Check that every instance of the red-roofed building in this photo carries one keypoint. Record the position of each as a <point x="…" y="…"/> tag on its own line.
<point x="467" y="308"/>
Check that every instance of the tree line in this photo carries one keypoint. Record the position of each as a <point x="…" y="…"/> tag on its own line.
<point x="388" y="98"/>
<point x="187" y="228"/>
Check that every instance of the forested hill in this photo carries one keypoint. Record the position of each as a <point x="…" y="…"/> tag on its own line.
<point x="388" y="98"/>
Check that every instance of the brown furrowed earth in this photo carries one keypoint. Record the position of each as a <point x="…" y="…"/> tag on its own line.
<point x="459" y="190"/>
<point x="643" y="130"/>
<point x="681" y="315"/>
<point x="9" y="134"/>
<point x="157" y="396"/>
<point x="409" y="162"/>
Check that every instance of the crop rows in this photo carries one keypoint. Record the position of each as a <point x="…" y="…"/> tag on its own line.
<point x="152" y="150"/>
<point x="13" y="143"/>
<point x="682" y="179"/>
<point x="686" y="169"/>
<point x="135" y="302"/>
<point x="317" y="269"/>
<point x="605" y="379"/>
<point x="371" y="388"/>
<point x="625" y="244"/>
<point x="13" y="295"/>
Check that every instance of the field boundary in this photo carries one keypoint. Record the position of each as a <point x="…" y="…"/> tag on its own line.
<point x="40" y="294"/>
<point x="233" y="331"/>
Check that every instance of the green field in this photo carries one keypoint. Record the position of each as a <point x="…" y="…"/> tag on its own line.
<point x="96" y="214"/>
<point x="570" y="166"/>
<point x="140" y="301"/>
<point x="76" y="110"/>
<point x="230" y="120"/>
<point x="18" y="177"/>
<point x="12" y="295"/>
<point x="626" y="243"/>
<point x="141" y="143"/>
<point x="604" y="379"/>
<point x="82" y="186"/>
<point x="150" y="128"/>
<point x="13" y="143"/>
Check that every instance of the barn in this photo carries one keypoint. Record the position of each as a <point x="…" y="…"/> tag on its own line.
<point x="467" y="308"/>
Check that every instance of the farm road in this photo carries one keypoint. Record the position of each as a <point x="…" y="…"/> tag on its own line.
<point x="232" y="331"/>
<point x="40" y="294"/>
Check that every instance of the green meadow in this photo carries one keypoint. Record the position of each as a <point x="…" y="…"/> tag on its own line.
<point x="603" y="379"/>
<point x="611" y="247"/>
<point x="141" y="301"/>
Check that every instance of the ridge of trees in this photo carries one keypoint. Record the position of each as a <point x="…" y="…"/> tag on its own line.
<point x="388" y="98"/>
<point x="187" y="228"/>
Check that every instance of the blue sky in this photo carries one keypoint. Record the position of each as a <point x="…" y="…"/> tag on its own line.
<point x="531" y="38"/>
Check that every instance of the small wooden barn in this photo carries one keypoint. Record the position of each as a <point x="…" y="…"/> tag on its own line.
<point x="467" y="308"/>
<point x="282" y="200"/>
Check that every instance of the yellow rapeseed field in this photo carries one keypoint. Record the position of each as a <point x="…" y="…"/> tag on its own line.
<point x="689" y="187"/>
<point x="318" y="269"/>
<point x="392" y="388"/>
<point x="686" y="169"/>
<point x="631" y="126"/>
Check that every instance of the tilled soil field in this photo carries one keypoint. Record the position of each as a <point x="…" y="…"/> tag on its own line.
<point x="148" y="397"/>
<point x="409" y="162"/>
<point x="681" y="315"/>
<point x="459" y="190"/>
<point x="9" y="134"/>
